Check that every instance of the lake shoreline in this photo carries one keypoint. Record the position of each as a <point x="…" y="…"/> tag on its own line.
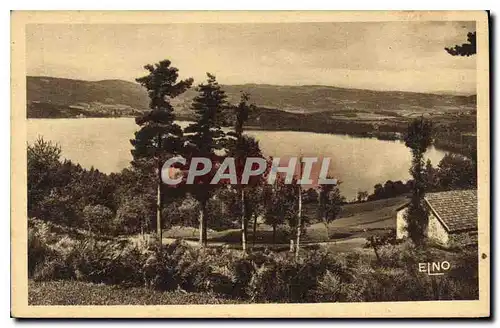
<point x="397" y="137"/>
<point x="359" y="162"/>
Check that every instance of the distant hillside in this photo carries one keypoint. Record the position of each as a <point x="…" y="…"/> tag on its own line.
<point x="57" y="97"/>
<point x="70" y="92"/>
<point x="314" y="98"/>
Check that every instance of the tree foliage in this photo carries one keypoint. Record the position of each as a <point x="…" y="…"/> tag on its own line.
<point x="205" y="137"/>
<point x="242" y="147"/>
<point x="418" y="138"/>
<point x="159" y="137"/>
<point x="330" y="201"/>
<point x="97" y="217"/>
<point x="465" y="49"/>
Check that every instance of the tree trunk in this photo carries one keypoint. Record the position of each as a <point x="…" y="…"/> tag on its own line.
<point x="159" y="200"/>
<point x="203" y="223"/>
<point x="299" y="217"/>
<point x="377" y="255"/>
<point x="254" y="230"/>
<point x="243" y="223"/>
<point x="158" y="214"/>
<point x="327" y="231"/>
<point x="274" y="233"/>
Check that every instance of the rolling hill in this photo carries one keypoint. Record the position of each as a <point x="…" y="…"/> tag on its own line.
<point x="57" y="97"/>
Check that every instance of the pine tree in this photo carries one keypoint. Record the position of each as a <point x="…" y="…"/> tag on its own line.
<point x="418" y="138"/>
<point x="330" y="201"/>
<point x="205" y="137"/>
<point x="275" y="204"/>
<point x="242" y="147"/>
<point x="159" y="138"/>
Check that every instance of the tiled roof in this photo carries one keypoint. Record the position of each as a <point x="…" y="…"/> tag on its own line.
<point x="457" y="209"/>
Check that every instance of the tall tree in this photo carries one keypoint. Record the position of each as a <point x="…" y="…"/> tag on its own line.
<point x="465" y="49"/>
<point x="241" y="148"/>
<point x="275" y="204"/>
<point x="159" y="138"/>
<point x="456" y="172"/>
<point x="205" y="137"/>
<point x="299" y="211"/>
<point x="418" y="138"/>
<point x="330" y="201"/>
<point x="43" y="161"/>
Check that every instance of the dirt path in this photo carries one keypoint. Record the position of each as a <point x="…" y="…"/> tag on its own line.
<point x="356" y="242"/>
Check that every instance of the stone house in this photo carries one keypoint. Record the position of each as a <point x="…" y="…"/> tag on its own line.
<point x="452" y="216"/>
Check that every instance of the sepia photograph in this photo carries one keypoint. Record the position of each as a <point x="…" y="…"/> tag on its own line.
<point x="255" y="164"/>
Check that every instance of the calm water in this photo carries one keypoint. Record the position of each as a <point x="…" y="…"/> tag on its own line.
<point x="359" y="162"/>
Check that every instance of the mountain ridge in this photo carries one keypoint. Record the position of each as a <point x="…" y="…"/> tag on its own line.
<point x="115" y="97"/>
<point x="249" y="84"/>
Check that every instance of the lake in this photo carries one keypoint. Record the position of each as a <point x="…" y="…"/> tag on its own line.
<point x="359" y="162"/>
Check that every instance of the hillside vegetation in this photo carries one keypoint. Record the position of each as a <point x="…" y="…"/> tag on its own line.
<point x="340" y="102"/>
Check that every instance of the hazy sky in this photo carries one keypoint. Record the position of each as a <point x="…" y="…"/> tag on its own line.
<point x="405" y="56"/>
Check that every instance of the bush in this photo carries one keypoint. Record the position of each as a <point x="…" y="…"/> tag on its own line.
<point x="193" y="271"/>
<point x="220" y="284"/>
<point x="106" y="262"/>
<point x="260" y="276"/>
<point x="330" y="288"/>
<point x="97" y="217"/>
<point x="405" y="255"/>
<point x="159" y="270"/>
<point x="242" y="271"/>
<point x="285" y="280"/>
<point x="265" y="284"/>
<point x="53" y="269"/>
<point x="397" y="277"/>
<point x="38" y="249"/>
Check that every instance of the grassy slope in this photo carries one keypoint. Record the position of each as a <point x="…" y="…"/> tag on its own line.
<point x="83" y="293"/>
<point x="356" y="222"/>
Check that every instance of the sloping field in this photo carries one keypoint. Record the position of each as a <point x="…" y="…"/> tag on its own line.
<point x="359" y="220"/>
<point x="379" y="214"/>
<point x="355" y="221"/>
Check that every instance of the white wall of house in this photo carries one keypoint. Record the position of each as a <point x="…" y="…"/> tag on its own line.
<point x="435" y="230"/>
<point x="401" y="224"/>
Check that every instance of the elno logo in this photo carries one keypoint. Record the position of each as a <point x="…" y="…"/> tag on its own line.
<point x="434" y="268"/>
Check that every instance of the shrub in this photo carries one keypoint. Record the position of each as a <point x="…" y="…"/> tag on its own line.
<point x="38" y="249"/>
<point x="220" y="284"/>
<point x="285" y="280"/>
<point x="261" y="258"/>
<point x="53" y="269"/>
<point x="260" y="276"/>
<point x="242" y="271"/>
<point x="97" y="217"/>
<point x="134" y="215"/>
<point x="330" y="288"/>
<point x="397" y="284"/>
<point x="193" y="271"/>
<point x="405" y="255"/>
<point x="106" y="261"/>
<point x="159" y="270"/>
<point x="265" y="284"/>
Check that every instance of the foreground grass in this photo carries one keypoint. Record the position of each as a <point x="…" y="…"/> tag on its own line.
<point x="83" y="293"/>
